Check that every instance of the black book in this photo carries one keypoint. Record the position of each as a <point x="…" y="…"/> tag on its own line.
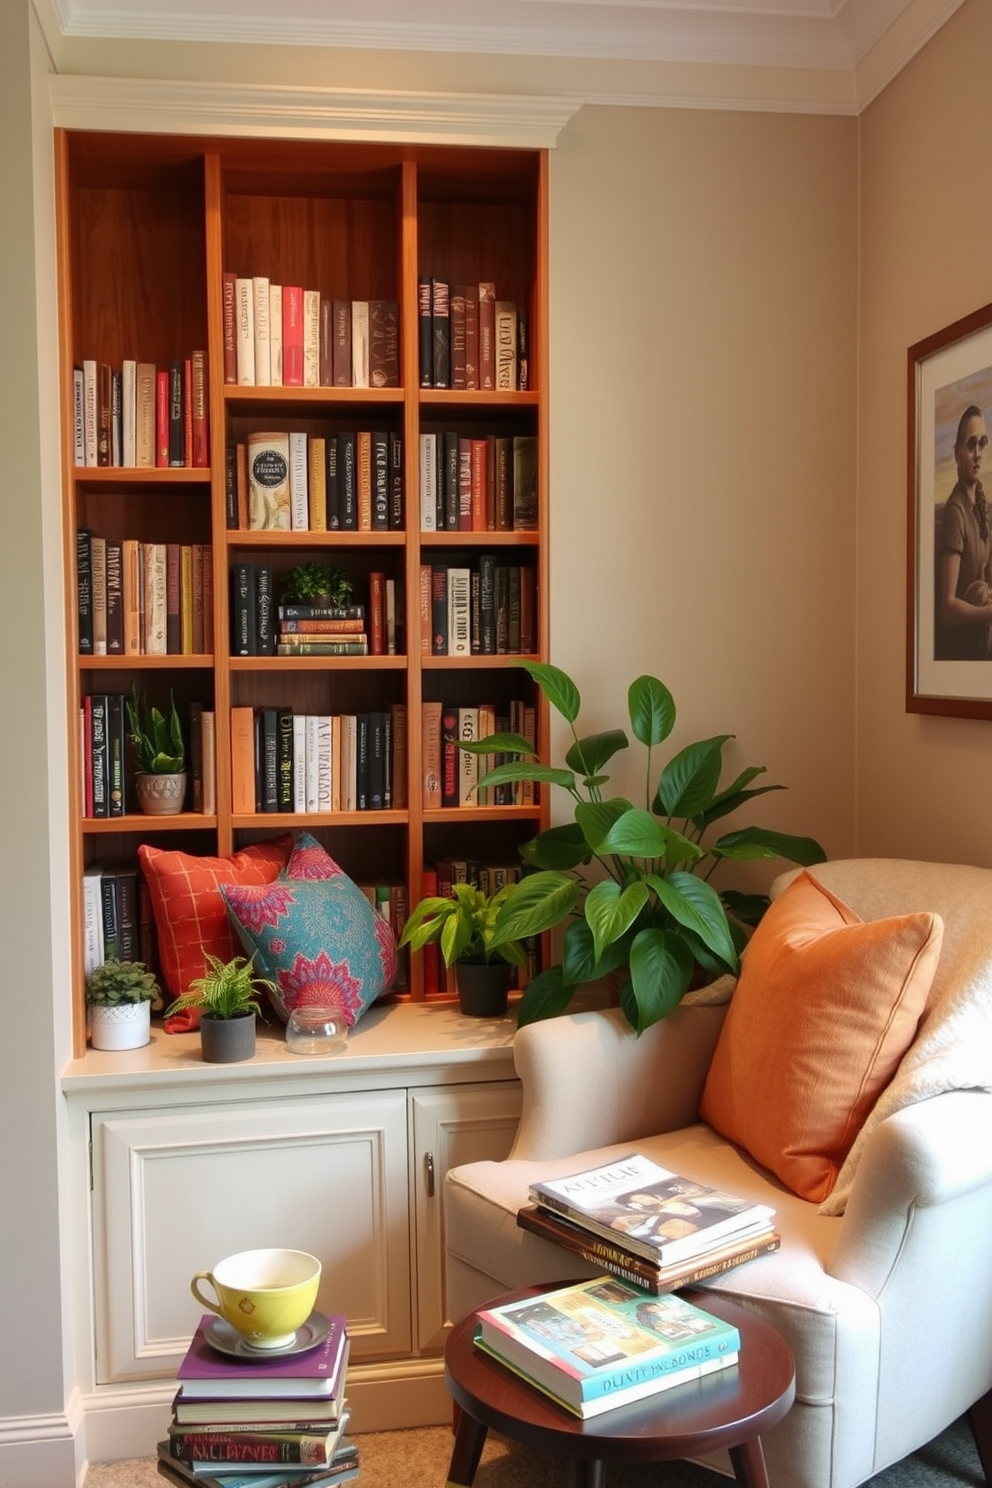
<point x="380" y="480"/>
<point x="502" y="608"/>
<point x="449" y="443"/>
<point x="177" y="437"/>
<point x="196" y="753"/>
<point x="243" y="610"/>
<point x="116" y="755"/>
<point x="99" y="760"/>
<point x="284" y="760"/>
<point x="475" y="612"/>
<point x="270" y="760"/>
<point x="487" y="604"/>
<point x="441" y="332"/>
<point x="115" y="599"/>
<point x="425" y="333"/>
<point x="128" y="915"/>
<point x="231" y="485"/>
<point x="362" y="762"/>
<point x="265" y="611"/>
<point x="377" y="761"/>
<point x="108" y="908"/>
<point x="439" y="609"/>
<point x="395" y="482"/>
<point x="384" y="343"/>
<point x="332" y="483"/>
<point x="513" y="609"/>
<point x="84" y="590"/>
<point x="347" y="483"/>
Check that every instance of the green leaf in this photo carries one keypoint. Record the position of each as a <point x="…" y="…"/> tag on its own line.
<point x="660" y="972"/>
<point x="638" y="834"/>
<point x="610" y="911"/>
<point x="692" y="903"/>
<point x="521" y="770"/>
<point x="499" y="744"/>
<point x="588" y="756"/>
<point x="689" y="780"/>
<point x="597" y="818"/>
<point x="424" y="922"/>
<point x="578" y="961"/>
<point x="747" y="908"/>
<point x="559" y="847"/>
<point x="545" y="997"/>
<point x="734" y="796"/>
<point x="559" y="689"/>
<point x="757" y="842"/>
<point x="652" y="710"/>
<point x="535" y="904"/>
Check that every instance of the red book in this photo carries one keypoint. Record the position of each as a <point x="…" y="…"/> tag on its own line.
<point x="230" y="343"/>
<point x="207" y="1373"/>
<point x="377" y="614"/>
<point x="479" y="478"/>
<point x="198" y="402"/>
<point x="162" y="419"/>
<point x="292" y="335"/>
<point x="188" y="412"/>
<point x="449" y="757"/>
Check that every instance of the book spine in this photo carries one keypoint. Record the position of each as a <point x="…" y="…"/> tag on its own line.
<point x="276" y="1447"/>
<point x="506" y="346"/>
<point x="326" y="349"/>
<point x="425" y="333"/>
<point x="201" y="439"/>
<point x="292" y="335"/>
<point x="380" y="481"/>
<point x="341" y="344"/>
<point x="176" y="432"/>
<point x="487" y="336"/>
<point x="104" y="414"/>
<point x="275" y="335"/>
<point x="84" y="590"/>
<point x="384" y="343"/>
<point x="115" y="600"/>
<point x="311" y="338"/>
<point x="144" y="422"/>
<point x="360" y="343"/>
<point x="431" y="754"/>
<point x="264" y="599"/>
<point x="78" y="430"/>
<point x="162" y="419"/>
<point x="228" y="302"/>
<point x="299" y="504"/>
<point x="441" y="333"/>
<point x="396" y="516"/>
<point x="244" y="330"/>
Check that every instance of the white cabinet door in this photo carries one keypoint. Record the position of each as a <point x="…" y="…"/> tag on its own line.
<point x="460" y="1124"/>
<point x="174" y="1191"/>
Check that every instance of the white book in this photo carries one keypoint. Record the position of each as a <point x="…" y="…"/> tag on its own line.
<point x="89" y="411"/>
<point x="311" y="338"/>
<point x="244" y="330"/>
<point x="129" y="385"/>
<point x="468" y="764"/>
<point x="154" y="596"/>
<point x="208" y="745"/>
<point x="275" y="335"/>
<point x="312" y="755"/>
<point x="98" y="593"/>
<point x="260" y="313"/>
<point x="92" y="919"/>
<point x="428" y="482"/>
<point x="299" y="762"/>
<point x="324" y="760"/>
<point x="360" y="343"/>
<point x="78" y="434"/>
<point x="459" y="612"/>
<point x="299" y="500"/>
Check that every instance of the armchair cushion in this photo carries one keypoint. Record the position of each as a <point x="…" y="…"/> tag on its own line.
<point x="824" y="1010"/>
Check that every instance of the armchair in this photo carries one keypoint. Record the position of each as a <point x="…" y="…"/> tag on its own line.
<point x="886" y="1305"/>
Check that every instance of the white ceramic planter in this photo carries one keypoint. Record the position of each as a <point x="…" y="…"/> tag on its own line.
<point x="127" y="1025"/>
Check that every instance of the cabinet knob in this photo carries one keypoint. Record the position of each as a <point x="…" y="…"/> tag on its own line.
<point x="429" y="1173"/>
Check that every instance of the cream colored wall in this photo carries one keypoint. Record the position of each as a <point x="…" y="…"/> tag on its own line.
<point x="924" y="785"/>
<point x="703" y="277"/>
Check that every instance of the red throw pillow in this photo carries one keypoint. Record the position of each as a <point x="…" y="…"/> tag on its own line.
<point x="190" y="913"/>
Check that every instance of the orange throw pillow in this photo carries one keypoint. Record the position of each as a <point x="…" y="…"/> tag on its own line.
<point x="190" y="913"/>
<point x="824" y="1010"/>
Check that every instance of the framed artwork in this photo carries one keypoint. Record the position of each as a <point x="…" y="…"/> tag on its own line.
<point x="949" y="589"/>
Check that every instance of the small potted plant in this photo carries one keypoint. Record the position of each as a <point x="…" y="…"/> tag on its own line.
<point x="316" y="583"/>
<point x="160" y="779"/>
<point x="227" y="999"/>
<point x="464" y="928"/>
<point x="119" y="995"/>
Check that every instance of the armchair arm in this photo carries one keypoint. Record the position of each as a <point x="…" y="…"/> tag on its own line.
<point x="589" y="1081"/>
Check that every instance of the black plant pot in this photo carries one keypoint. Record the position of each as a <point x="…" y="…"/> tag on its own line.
<point x="482" y="989"/>
<point x="227" y="1040"/>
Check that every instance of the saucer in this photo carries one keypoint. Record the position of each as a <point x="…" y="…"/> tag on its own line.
<point x="227" y="1340"/>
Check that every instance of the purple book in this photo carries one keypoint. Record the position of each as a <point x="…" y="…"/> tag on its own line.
<point x="206" y="1373"/>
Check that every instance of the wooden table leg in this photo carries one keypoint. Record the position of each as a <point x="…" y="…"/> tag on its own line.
<point x="470" y="1438"/>
<point x="748" y="1462"/>
<point x="585" y="1472"/>
<point x="980" y="1421"/>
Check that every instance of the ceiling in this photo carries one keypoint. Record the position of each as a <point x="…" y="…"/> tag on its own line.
<point x="876" y="37"/>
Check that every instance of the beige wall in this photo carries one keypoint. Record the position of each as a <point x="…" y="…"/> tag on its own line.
<point x="924" y="784"/>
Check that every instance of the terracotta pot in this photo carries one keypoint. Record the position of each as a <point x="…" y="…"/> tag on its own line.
<point x="161" y="795"/>
<point x="482" y="990"/>
<point x="227" y="1040"/>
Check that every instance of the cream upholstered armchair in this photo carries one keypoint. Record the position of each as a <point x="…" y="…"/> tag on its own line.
<point x="883" y="1283"/>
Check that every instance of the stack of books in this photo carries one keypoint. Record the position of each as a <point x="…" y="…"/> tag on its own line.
<point x="602" y="1344"/>
<point x="649" y="1226"/>
<point x="248" y="1421"/>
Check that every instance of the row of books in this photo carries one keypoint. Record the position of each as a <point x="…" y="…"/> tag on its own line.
<point x="483" y="608"/>
<point x="478" y="483"/>
<point x="286" y="480"/>
<point x="260" y="627"/>
<point x="282" y="761"/>
<point x="467" y="338"/>
<point x="451" y="774"/>
<point x="138" y="598"/>
<point x="139" y="415"/>
<point x="105" y="757"/>
<point x="284" y="335"/>
<point x="117" y="915"/>
<point x="267" y="1423"/>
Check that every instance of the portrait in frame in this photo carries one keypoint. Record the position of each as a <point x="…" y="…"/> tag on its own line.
<point x="949" y="589"/>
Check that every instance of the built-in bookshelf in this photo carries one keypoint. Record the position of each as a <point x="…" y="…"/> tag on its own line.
<point x="165" y="244"/>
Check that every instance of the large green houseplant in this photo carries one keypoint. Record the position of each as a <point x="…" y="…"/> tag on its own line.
<point x="631" y="883"/>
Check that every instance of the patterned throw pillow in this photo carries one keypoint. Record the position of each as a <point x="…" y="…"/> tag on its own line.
<point x="315" y="935"/>
<point x="190" y="914"/>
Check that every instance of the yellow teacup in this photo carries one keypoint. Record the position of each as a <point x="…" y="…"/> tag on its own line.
<point x="265" y="1294"/>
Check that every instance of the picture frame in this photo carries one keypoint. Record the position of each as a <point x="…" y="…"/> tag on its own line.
<point x="948" y="662"/>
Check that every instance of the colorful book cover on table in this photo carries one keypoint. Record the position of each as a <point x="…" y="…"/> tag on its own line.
<point x="344" y="1465"/>
<point x="206" y="1372"/>
<point x="604" y="1338"/>
<point x="658" y="1213"/>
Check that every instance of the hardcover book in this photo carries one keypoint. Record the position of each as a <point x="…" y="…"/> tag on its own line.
<point x="657" y="1213"/>
<point x="206" y="1373"/>
<point x="602" y="1343"/>
<point x="269" y="507"/>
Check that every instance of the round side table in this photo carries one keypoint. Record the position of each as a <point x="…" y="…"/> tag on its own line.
<point x="729" y="1409"/>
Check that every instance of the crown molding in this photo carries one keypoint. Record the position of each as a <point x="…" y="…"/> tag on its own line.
<point x="161" y="107"/>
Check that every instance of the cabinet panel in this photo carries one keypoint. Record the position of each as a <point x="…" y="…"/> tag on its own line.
<point x="176" y="1191"/>
<point x="450" y="1127"/>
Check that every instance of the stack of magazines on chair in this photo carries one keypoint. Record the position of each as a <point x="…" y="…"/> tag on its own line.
<point x="647" y="1225"/>
<point x="244" y="1420"/>
<point x="601" y="1344"/>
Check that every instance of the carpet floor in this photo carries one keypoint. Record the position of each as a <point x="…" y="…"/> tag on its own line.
<point x="419" y="1459"/>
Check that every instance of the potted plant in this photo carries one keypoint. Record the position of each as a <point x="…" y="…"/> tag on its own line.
<point x="119" y="995"/>
<point x="160" y="779"/>
<point x="227" y="999"/>
<point x="631" y="883"/>
<point x="316" y="583"/>
<point x="464" y="926"/>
